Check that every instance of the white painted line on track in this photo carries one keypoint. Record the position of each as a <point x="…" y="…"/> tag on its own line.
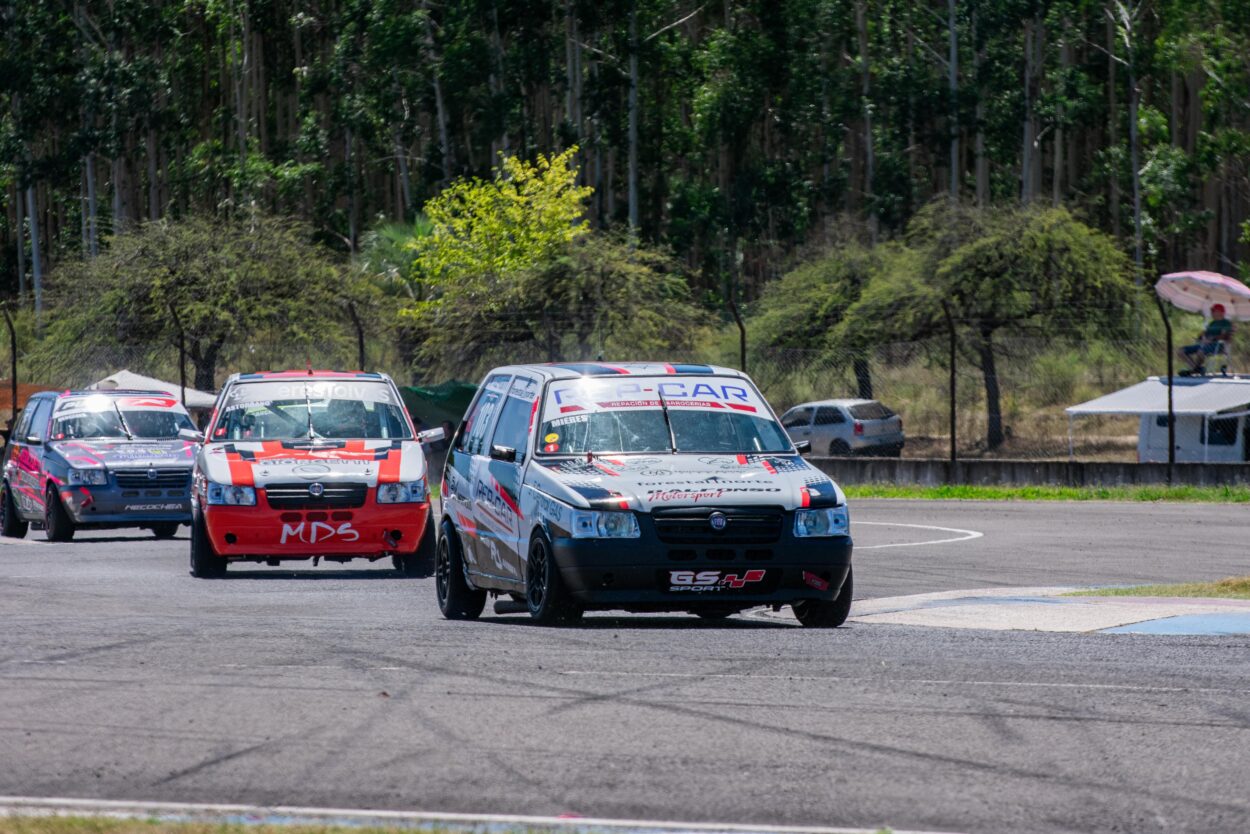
<point x="283" y="814"/>
<point x="965" y="535"/>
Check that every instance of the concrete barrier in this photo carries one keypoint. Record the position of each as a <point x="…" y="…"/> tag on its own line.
<point x="938" y="472"/>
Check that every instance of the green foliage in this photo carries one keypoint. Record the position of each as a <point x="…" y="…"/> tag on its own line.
<point x="526" y="216"/>
<point x="224" y="281"/>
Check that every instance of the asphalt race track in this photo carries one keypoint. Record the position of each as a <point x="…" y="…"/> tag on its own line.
<point x="121" y="677"/>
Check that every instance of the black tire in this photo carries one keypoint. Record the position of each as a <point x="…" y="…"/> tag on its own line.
<point x="839" y="449"/>
<point x="822" y="613"/>
<point x="56" y="521"/>
<point x="456" y="599"/>
<point x="165" y="530"/>
<point x="546" y="597"/>
<point x="421" y="561"/>
<point x="11" y="523"/>
<point x="205" y="563"/>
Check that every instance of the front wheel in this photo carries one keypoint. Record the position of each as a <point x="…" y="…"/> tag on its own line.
<point x="11" y="524"/>
<point x="205" y="563"/>
<point x="165" y="530"/>
<point x="59" y="526"/>
<point x="456" y="599"/>
<point x="839" y="449"/>
<point x="827" y="613"/>
<point x="420" y="562"/>
<point x="546" y="597"/>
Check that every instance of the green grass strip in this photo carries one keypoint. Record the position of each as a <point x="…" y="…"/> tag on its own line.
<point x="1213" y="494"/>
<point x="1236" y="587"/>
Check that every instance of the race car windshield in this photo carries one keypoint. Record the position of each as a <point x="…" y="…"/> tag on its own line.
<point x="90" y="424"/>
<point x="300" y="411"/>
<point x="623" y="415"/>
<point x="156" y="425"/>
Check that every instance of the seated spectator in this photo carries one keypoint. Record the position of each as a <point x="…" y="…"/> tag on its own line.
<point x="1217" y="333"/>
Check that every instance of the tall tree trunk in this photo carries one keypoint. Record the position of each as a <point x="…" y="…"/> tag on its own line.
<point x="1134" y="140"/>
<point x="993" y="400"/>
<point x="633" y="117"/>
<point x="21" y="242"/>
<point x="205" y="361"/>
<point x="36" y="257"/>
<point x="93" y="219"/>
<point x="863" y="376"/>
<point x="952" y="82"/>
<point x="865" y="92"/>
<point x="405" y="181"/>
<point x="1113" y="116"/>
<point x="444" y="136"/>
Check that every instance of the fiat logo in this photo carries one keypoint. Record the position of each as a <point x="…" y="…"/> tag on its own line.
<point x="316" y="490"/>
<point x="152" y="474"/>
<point x="718" y="521"/>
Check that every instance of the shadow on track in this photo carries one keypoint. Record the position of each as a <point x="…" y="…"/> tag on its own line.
<point x="314" y="574"/>
<point x="653" y="622"/>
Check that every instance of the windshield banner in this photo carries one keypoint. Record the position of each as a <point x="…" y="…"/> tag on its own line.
<point x="261" y="393"/>
<point x="579" y="395"/>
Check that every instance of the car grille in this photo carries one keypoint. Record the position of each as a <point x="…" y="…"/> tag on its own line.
<point x="165" y="478"/>
<point x="689" y="525"/>
<point x="296" y="496"/>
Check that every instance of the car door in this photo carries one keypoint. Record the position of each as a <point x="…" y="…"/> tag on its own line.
<point x="798" y="422"/>
<point x="30" y="464"/>
<point x="829" y="424"/>
<point x="465" y="468"/>
<point x="18" y="460"/>
<point x="502" y="526"/>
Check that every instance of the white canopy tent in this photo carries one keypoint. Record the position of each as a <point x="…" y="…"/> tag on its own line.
<point x="131" y="381"/>
<point x="1205" y="397"/>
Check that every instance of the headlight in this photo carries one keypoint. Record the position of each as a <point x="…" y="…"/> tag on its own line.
<point x="406" y="492"/>
<point x="234" y="496"/>
<point x="605" y="525"/>
<point x="95" y="477"/>
<point x="834" y="521"/>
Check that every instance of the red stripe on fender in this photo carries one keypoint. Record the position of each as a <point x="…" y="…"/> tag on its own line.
<point x="388" y="469"/>
<point x="805" y="497"/>
<point x="742" y="460"/>
<point x="240" y="471"/>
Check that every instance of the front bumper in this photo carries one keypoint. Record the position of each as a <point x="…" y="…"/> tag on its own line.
<point x="370" y="530"/>
<point x="648" y="574"/>
<point x="112" y="506"/>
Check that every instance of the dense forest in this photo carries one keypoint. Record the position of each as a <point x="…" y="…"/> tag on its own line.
<point x="738" y="134"/>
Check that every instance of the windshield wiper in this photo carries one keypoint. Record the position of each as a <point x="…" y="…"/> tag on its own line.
<point x="672" y="438"/>
<point x="308" y="407"/>
<point x="122" y="419"/>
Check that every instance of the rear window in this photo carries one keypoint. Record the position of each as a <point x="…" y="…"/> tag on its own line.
<point x="871" y="411"/>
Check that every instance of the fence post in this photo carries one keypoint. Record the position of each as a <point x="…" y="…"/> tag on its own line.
<point x="12" y="362"/>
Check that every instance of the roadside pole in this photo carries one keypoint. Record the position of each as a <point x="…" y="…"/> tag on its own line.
<point x="1167" y="326"/>
<point x="12" y="363"/>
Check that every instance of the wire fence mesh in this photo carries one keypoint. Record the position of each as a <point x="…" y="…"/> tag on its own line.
<point x="1036" y="378"/>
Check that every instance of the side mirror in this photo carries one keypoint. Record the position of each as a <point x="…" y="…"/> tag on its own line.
<point x="803" y="447"/>
<point x="430" y="435"/>
<point x="191" y="435"/>
<point x="505" y="453"/>
<point x="34" y="440"/>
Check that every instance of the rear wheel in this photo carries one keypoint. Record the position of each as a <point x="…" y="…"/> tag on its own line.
<point x="839" y="449"/>
<point x="825" y="613"/>
<point x="420" y="562"/>
<point x="165" y="530"/>
<point x="546" y="597"/>
<point x="456" y="599"/>
<point x="205" y="563"/>
<point x="56" y="521"/>
<point x="11" y="524"/>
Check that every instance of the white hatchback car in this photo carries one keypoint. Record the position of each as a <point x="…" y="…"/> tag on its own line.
<point x="846" y="427"/>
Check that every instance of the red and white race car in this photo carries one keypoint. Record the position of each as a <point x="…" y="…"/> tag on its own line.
<point x="311" y="465"/>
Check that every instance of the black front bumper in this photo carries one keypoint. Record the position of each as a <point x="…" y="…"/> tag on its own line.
<point x="648" y="574"/>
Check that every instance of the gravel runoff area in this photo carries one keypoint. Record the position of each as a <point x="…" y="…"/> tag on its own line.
<point x="122" y="678"/>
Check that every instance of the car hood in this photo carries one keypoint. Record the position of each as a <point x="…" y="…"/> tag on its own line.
<point x="124" y="454"/>
<point x="650" y="482"/>
<point x="281" y="461"/>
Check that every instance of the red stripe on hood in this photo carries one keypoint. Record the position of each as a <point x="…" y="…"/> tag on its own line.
<point x="388" y="467"/>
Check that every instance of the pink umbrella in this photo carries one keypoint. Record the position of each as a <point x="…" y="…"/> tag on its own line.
<point x="1199" y="291"/>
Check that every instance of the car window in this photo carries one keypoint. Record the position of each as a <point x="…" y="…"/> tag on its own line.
<point x="1222" y="432"/>
<point x="797" y="418"/>
<point x="151" y="424"/>
<point x="513" y="427"/>
<point x="871" y="411"/>
<point x="828" y="415"/>
<point x="39" y="420"/>
<point x="295" y="409"/>
<point x="23" y="424"/>
<point x="480" y="417"/>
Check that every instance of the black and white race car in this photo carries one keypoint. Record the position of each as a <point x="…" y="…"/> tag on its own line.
<point x="643" y="487"/>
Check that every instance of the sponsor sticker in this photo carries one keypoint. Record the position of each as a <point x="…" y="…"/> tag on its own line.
<point x="148" y="508"/>
<point x="711" y="581"/>
<point x="551" y="438"/>
<point x="314" y="532"/>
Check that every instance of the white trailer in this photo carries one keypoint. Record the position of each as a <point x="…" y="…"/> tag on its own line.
<point x="1212" y="417"/>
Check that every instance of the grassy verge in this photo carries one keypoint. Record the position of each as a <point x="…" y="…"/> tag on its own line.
<point x="1237" y="587"/>
<point x="1222" y="494"/>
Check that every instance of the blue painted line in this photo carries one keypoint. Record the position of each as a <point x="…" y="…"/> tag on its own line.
<point x="1210" y="624"/>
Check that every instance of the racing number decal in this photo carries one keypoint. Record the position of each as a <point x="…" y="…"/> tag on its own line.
<point x="711" y="580"/>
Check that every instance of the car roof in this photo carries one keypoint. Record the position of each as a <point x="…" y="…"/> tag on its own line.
<point x="260" y="376"/>
<point x="574" y="370"/>
<point x="107" y="392"/>
<point x="845" y="402"/>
